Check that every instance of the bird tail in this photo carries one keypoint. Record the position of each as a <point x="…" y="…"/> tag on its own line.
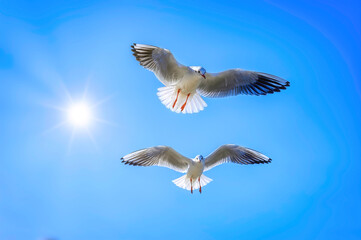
<point x="168" y="96"/>
<point x="185" y="182"/>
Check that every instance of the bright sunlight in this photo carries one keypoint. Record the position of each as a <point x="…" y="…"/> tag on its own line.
<point x="79" y="114"/>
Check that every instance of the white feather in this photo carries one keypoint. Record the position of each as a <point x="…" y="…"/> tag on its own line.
<point x="185" y="182"/>
<point x="168" y="95"/>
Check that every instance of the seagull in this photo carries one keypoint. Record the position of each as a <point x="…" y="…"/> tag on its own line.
<point x="184" y="85"/>
<point x="165" y="156"/>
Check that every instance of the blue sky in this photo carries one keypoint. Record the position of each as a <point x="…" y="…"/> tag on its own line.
<point x="69" y="184"/>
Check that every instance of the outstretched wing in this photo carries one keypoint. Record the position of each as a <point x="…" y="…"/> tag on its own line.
<point x="237" y="81"/>
<point x="160" y="61"/>
<point x="235" y="154"/>
<point x="158" y="156"/>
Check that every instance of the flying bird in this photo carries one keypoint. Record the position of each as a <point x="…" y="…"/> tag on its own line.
<point x="194" y="178"/>
<point x="184" y="85"/>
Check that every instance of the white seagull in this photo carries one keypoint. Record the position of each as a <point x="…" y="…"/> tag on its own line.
<point x="184" y="85"/>
<point x="194" y="179"/>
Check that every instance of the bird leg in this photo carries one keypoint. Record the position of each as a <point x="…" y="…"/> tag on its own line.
<point x="176" y="98"/>
<point x="200" y="188"/>
<point x="184" y="105"/>
<point x="191" y="186"/>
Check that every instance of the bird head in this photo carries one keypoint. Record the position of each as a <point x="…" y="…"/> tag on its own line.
<point x="199" y="70"/>
<point x="199" y="158"/>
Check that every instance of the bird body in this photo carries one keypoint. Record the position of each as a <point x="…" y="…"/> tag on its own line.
<point x="182" y="91"/>
<point x="184" y="85"/>
<point x="195" y="169"/>
<point x="194" y="178"/>
<point x="189" y="82"/>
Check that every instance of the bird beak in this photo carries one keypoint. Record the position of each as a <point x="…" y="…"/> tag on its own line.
<point x="203" y="76"/>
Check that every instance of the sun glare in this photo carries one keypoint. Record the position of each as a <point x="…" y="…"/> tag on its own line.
<point x="79" y="115"/>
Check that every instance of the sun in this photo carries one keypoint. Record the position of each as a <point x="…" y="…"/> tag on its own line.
<point x="79" y="114"/>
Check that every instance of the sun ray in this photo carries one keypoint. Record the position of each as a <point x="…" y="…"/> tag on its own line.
<point x="100" y="102"/>
<point x="92" y="139"/>
<point x="85" y="92"/>
<point x="70" y="141"/>
<point x="59" y="125"/>
<point x="105" y="122"/>
<point x="67" y="93"/>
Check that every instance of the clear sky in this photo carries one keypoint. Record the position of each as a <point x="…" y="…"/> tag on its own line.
<point x="65" y="183"/>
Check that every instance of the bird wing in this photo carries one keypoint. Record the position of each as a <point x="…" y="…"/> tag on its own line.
<point x="158" y="156"/>
<point x="235" y="154"/>
<point x="160" y="61"/>
<point x="237" y="81"/>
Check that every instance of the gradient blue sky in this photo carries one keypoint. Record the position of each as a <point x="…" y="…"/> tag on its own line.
<point x="65" y="184"/>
